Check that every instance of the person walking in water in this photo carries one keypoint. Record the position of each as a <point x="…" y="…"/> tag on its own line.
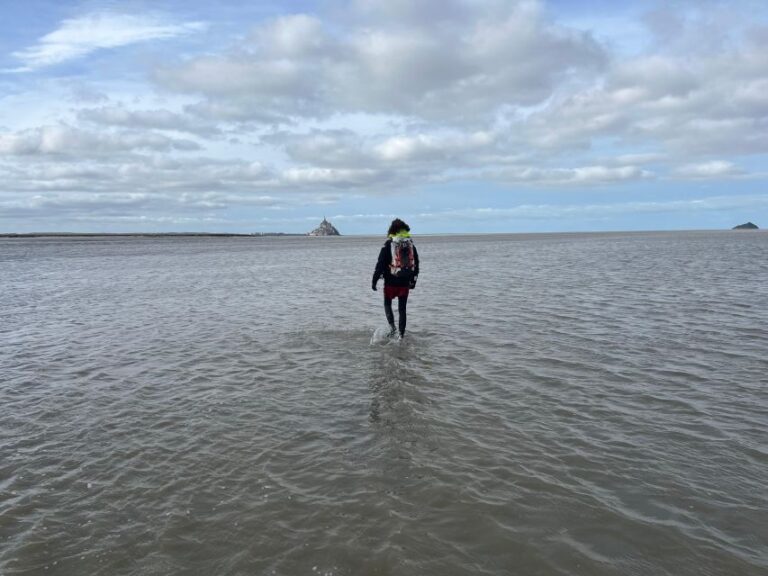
<point x="398" y="264"/>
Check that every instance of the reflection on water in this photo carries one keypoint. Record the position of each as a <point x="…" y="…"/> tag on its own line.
<point x="577" y="404"/>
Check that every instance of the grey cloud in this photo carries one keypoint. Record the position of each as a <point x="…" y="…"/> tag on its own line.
<point x="462" y="70"/>
<point x="242" y="110"/>
<point x="149" y="219"/>
<point x="707" y="137"/>
<point x="697" y="28"/>
<point x="665" y="25"/>
<point x="136" y="174"/>
<point x="328" y="148"/>
<point x="401" y="151"/>
<point x="65" y="140"/>
<point x="148" y="119"/>
<point x="688" y="107"/>
<point x="67" y="209"/>
<point x="68" y="204"/>
<point x="652" y="77"/>
<point x="757" y="36"/>
<point x="406" y="12"/>
<point x="201" y="179"/>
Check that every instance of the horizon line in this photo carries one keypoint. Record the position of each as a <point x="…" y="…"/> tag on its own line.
<point x="248" y="234"/>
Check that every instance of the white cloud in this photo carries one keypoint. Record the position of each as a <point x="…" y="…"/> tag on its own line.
<point x="428" y="146"/>
<point x="583" y="176"/>
<point x="66" y="140"/>
<point x="80" y="36"/>
<point x="342" y="178"/>
<point x="298" y="35"/>
<point x="713" y="169"/>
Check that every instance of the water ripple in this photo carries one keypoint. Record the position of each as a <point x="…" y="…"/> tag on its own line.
<point x="579" y="404"/>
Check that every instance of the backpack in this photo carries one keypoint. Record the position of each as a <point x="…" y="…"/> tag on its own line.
<point x="403" y="262"/>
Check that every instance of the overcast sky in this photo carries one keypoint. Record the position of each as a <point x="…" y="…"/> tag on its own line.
<point x="455" y="115"/>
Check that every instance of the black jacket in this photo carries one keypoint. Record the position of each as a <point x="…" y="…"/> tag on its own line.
<point x="382" y="267"/>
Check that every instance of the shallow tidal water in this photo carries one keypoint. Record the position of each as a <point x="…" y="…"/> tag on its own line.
<point x="580" y="404"/>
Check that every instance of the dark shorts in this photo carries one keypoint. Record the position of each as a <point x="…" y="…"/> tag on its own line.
<point x="391" y="292"/>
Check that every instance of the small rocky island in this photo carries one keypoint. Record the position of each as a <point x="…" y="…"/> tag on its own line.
<point x="747" y="226"/>
<point x="325" y="229"/>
